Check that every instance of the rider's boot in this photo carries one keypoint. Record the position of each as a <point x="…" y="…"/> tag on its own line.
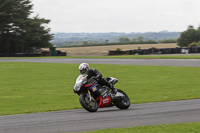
<point x="109" y="85"/>
<point x="113" y="90"/>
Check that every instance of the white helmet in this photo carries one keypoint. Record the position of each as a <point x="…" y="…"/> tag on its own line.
<point x="84" y="68"/>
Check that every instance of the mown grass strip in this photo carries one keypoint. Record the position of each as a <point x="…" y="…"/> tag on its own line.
<point x="40" y="87"/>
<point x="170" y="128"/>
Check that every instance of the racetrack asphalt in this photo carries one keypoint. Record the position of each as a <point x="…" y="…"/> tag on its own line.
<point x="154" y="62"/>
<point x="81" y="120"/>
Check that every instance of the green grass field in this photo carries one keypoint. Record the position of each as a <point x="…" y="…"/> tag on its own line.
<point x="39" y="87"/>
<point x="172" y="128"/>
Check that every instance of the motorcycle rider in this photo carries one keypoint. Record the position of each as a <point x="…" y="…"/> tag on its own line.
<point x="95" y="74"/>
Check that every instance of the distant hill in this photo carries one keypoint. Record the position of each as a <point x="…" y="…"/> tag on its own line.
<point x="64" y="39"/>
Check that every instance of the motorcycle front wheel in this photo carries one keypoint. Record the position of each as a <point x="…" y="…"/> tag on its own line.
<point x="89" y="105"/>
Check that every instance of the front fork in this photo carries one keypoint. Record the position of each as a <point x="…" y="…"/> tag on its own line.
<point x="90" y="97"/>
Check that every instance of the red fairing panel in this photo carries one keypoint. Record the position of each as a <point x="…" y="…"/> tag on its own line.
<point x="89" y="85"/>
<point x="103" y="102"/>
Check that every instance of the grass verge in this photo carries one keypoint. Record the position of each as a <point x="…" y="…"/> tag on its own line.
<point x="170" y="128"/>
<point x="40" y="87"/>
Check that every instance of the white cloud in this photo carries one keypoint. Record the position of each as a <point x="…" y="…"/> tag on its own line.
<point x="118" y="15"/>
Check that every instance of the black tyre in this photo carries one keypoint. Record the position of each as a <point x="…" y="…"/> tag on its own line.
<point x="90" y="106"/>
<point x="123" y="103"/>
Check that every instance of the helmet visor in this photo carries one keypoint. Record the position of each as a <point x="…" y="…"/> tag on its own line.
<point x="83" y="71"/>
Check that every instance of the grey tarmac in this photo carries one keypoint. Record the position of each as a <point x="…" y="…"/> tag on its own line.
<point x="81" y="120"/>
<point x="153" y="62"/>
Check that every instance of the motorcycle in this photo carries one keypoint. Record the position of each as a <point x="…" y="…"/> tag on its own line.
<point x="93" y="95"/>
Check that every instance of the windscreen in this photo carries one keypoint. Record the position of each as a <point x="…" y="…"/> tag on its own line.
<point x="79" y="82"/>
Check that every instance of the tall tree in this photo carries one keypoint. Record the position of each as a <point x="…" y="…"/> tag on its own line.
<point x="18" y="31"/>
<point x="187" y="37"/>
<point x="198" y="34"/>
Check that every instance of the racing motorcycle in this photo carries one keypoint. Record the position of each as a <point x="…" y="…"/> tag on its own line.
<point x="93" y="95"/>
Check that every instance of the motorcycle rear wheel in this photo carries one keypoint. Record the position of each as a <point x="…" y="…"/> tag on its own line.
<point x="88" y="105"/>
<point x="123" y="103"/>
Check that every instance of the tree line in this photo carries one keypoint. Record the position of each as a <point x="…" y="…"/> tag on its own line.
<point x="190" y="37"/>
<point x="141" y="40"/>
<point x="18" y="31"/>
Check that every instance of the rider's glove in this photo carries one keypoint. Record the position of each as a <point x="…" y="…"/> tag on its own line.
<point x="93" y="80"/>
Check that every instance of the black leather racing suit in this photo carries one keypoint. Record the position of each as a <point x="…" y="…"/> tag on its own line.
<point x="98" y="76"/>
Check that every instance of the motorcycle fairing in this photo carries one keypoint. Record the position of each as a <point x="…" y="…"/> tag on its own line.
<point x="79" y="82"/>
<point x="103" y="102"/>
<point x="94" y="87"/>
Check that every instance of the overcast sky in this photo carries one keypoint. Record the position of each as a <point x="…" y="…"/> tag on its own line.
<point x="118" y="15"/>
